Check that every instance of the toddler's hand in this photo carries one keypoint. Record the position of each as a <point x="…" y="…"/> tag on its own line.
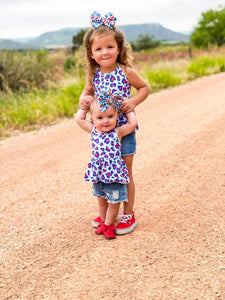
<point x="128" y="106"/>
<point x="85" y="102"/>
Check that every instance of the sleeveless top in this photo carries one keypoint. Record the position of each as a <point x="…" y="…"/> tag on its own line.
<point x="106" y="164"/>
<point x="115" y="81"/>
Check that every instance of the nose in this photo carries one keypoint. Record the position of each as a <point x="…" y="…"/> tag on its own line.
<point x="105" y="120"/>
<point x="105" y="51"/>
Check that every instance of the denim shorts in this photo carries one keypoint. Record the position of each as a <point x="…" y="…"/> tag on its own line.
<point x="128" y="143"/>
<point x="113" y="192"/>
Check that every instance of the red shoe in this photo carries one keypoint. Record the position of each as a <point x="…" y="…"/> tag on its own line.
<point x="100" y="228"/>
<point x="96" y="222"/>
<point x="109" y="231"/>
<point x="126" y="225"/>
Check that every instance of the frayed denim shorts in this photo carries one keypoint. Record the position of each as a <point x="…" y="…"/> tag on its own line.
<point x="128" y="143"/>
<point x="113" y="192"/>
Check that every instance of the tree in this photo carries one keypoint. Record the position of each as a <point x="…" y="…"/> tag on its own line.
<point x="143" y="42"/>
<point x="210" y="28"/>
<point x="78" y="39"/>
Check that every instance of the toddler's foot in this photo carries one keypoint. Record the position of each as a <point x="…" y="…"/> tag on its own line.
<point x="96" y="222"/>
<point x="126" y="225"/>
<point x="109" y="231"/>
<point x="99" y="230"/>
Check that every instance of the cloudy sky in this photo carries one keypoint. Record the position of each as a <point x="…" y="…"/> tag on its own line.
<point x="30" y="18"/>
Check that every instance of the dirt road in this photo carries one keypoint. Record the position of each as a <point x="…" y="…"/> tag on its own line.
<point x="49" y="249"/>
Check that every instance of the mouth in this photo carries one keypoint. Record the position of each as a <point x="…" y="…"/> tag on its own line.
<point x="106" y="126"/>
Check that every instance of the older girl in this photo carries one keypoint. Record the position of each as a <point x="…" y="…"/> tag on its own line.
<point x="108" y="66"/>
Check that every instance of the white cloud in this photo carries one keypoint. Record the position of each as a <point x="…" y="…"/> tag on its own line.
<point x="21" y="18"/>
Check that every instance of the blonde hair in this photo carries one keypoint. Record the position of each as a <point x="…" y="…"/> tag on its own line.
<point x="124" y="56"/>
<point x="93" y="105"/>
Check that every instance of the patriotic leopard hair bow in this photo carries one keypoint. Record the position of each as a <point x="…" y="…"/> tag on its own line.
<point x="97" y="20"/>
<point x="107" y="97"/>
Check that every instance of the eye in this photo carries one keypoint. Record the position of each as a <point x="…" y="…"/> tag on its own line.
<point x="111" y="116"/>
<point x="99" y="118"/>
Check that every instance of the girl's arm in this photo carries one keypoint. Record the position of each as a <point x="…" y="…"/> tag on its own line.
<point x="81" y="120"/>
<point x="86" y="97"/>
<point x="140" y="85"/>
<point x="128" y="127"/>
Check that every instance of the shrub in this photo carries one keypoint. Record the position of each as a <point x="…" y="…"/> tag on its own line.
<point x="75" y="64"/>
<point x="39" y="107"/>
<point x="162" y="78"/>
<point x="206" y="65"/>
<point x="69" y="63"/>
<point x="26" y="70"/>
<point x="143" y="42"/>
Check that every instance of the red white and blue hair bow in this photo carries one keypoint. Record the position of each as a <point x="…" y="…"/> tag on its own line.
<point x="107" y="98"/>
<point x="97" y="20"/>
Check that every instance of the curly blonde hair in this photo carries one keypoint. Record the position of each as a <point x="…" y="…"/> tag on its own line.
<point x="124" y="56"/>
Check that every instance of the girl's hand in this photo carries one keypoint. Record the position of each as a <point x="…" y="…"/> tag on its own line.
<point x="128" y="106"/>
<point x="85" y="102"/>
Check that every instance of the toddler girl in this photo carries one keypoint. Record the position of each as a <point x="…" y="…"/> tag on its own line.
<point x="107" y="170"/>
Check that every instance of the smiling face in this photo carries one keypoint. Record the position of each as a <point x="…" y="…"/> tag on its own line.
<point x="104" y="51"/>
<point x="104" y="121"/>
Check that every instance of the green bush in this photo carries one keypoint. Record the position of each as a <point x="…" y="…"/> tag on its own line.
<point x="162" y="78"/>
<point x="206" y="65"/>
<point x="26" y="70"/>
<point x="19" y="111"/>
<point x="75" y="64"/>
<point x="69" y="63"/>
<point x="143" y="42"/>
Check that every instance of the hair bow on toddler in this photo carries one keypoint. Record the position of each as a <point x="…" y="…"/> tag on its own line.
<point x="97" y="20"/>
<point x="107" y="97"/>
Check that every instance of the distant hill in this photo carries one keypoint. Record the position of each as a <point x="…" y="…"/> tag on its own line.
<point x="23" y="40"/>
<point x="131" y="32"/>
<point x="9" y="44"/>
<point x="63" y="37"/>
<point x="59" y="37"/>
<point x="189" y="32"/>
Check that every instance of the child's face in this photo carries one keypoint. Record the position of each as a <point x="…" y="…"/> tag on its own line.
<point x="104" y="121"/>
<point x="105" y="51"/>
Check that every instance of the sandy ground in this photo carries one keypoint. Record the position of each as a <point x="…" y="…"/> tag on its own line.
<point x="49" y="249"/>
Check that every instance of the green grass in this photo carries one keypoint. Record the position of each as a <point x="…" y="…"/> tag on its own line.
<point x="206" y="65"/>
<point x="27" y="111"/>
<point x="168" y="48"/>
<point x="163" y="78"/>
<point x="164" y="75"/>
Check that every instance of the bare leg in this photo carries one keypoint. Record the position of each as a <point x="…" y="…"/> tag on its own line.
<point x="128" y="206"/>
<point x="112" y="213"/>
<point x="102" y="208"/>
